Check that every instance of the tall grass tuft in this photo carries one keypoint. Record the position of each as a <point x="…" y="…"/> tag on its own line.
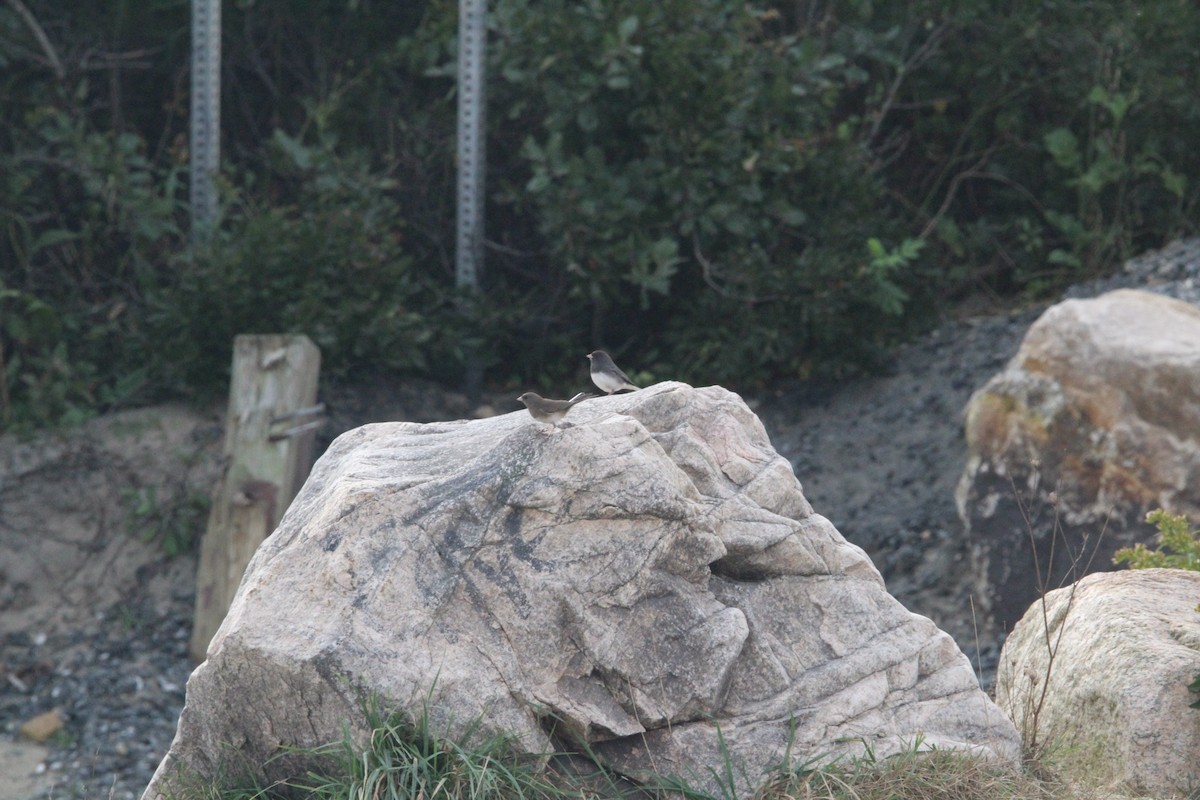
<point x="405" y="759"/>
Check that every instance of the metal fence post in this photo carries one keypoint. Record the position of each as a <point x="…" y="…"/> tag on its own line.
<point x="205" y="135"/>
<point x="472" y="104"/>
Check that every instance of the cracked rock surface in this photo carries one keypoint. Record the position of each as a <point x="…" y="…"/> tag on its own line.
<point x="650" y="576"/>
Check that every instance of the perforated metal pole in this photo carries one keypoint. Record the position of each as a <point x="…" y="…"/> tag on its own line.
<point x="205" y="136"/>
<point x="468" y="257"/>
<point x="472" y="43"/>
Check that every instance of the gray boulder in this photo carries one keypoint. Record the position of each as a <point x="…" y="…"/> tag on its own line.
<point x="1094" y="422"/>
<point x="648" y="581"/>
<point x="1112" y="703"/>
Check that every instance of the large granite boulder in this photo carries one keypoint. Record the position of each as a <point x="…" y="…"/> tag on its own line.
<point x="1094" y="422"/>
<point x="1100" y="675"/>
<point x="649" y="581"/>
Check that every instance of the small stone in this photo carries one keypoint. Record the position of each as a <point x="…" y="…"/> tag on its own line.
<point x="43" y="726"/>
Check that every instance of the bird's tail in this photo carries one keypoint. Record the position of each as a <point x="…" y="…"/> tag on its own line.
<point x="581" y="396"/>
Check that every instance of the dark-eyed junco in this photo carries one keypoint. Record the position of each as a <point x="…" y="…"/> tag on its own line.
<point x="550" y="411"/>
<point x="607" y="375"/>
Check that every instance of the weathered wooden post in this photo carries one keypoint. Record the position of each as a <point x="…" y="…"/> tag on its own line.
<point x="268" y="452"/>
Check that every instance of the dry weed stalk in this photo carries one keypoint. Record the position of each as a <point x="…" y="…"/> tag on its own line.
<point x="1052" y="629"/>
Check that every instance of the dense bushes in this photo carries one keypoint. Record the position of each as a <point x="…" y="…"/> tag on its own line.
<point x="1043" y="142"/>
<point x="690" y="185"/>
<point x="89" y="222"/>
<point x="719" y="191"/>
<point x="329" y="261"/>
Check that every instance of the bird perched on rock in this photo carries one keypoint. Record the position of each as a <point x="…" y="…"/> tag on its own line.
<point x="550" y="411"/>
<point x="607" y="375"/>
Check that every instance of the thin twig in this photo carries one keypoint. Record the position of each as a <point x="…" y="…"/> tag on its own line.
<point x="5" y="408"/>
<point x="1053" y="642"/>
<point x="975" y="629"/>
<point x="924" y="53"/>
<point x="504" y="249"/>
<point x="706" y="268"/>
<point x="708" y="271"/>
<point x="96" y="60"/>
<point x="974" y="171"/>
<point x="38" y="33"/>
<point x="1037" y="568"/>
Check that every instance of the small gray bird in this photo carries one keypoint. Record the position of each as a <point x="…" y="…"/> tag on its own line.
<point x="607" y="375"/>
<point x="550" y="411"/>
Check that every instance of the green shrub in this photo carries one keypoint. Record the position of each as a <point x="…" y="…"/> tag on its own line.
<point x="88" y="221"/>
<point x="1178" y="547"/>
<point x="331" y="263"/>
<point x="692" y="189"/>
<point x="1039" y="139"/>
